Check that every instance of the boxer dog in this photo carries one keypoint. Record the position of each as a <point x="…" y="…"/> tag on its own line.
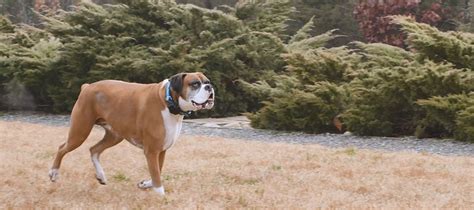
<point x="148" y="116"/>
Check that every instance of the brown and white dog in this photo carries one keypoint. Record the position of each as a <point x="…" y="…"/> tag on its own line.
<point x="148" y="116"/>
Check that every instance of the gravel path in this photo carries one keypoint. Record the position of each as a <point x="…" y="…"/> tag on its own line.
<point x="435" y="146"/>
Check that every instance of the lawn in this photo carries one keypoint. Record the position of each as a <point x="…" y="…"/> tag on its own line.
<point x="208" y="172"/>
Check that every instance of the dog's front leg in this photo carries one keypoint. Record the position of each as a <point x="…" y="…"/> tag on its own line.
<point x="154" y="168"/>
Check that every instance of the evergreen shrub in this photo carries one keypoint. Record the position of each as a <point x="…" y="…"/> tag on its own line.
<point x="377" y="89"/>
<point x="146" y="41"/>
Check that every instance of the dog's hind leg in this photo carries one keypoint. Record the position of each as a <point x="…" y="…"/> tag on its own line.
<point x="109" y="140"/>
<point x="80" y="129"/>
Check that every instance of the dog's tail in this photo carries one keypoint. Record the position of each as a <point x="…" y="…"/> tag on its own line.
<point x="84" y="86"/>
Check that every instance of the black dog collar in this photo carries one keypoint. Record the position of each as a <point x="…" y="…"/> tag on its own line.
<point x="173" y="106"/>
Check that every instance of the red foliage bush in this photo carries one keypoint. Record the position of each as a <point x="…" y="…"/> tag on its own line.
<point x="376" y="26"/>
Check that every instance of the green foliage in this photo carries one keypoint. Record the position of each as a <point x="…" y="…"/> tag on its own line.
<point x="26" y="54"/>
<point x="311" y="109"/>
<point x="375" y="89"/>
<point x="385" y="97"/>
<point x="321" y="64"/>
<point x="326" y="16"/>
<point x="120" y="177"/>
<point x="399" y="81"/>
<point x="311" y="97"/>
<point x="251" y="56"/>
<point x="147" y="41"/>
<point x="290" y="82"/>
<point x="398" y="92"/>
<point x="453" y="47"/>
<point x="448" y="116"/>
<point x="303" y="32"/>
<point x="465" y="124"/>
<point x="6" y="25"/>
<point x="301" y="44"/>
<point x="265" y="15"/>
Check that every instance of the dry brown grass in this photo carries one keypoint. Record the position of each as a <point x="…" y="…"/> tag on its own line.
<point x="204" y="172"/>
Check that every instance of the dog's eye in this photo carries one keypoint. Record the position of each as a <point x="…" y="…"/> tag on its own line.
<point x="206" y="82"/>
<point x="195" y="84"/>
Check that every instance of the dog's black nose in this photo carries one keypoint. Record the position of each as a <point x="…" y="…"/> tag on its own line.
<point x="208" y="87"/>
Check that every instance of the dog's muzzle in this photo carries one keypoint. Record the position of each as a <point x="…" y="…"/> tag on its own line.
<point x="209" y="103"/>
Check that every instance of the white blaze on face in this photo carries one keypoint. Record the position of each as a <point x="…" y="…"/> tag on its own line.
<point x="197" y="99"/>
<point x="200" y="95"/>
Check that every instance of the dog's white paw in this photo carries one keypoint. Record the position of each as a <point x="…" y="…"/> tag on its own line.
<point x="53" y="174"/>
<point x="99" y="172"/>
<point x="145" y="184"/>
<point x="101" y="178"/>
<point x="159" y="190"/>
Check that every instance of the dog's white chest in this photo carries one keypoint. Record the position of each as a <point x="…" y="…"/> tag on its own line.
<point x="172" y="124"/>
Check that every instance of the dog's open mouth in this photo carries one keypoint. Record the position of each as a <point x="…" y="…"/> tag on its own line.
<point x="205" y="104"/>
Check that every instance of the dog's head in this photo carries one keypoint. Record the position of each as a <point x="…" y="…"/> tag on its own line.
<point x="195" y="91"/>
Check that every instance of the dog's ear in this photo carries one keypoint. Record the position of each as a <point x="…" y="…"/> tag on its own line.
<point x="177" y="82"/>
